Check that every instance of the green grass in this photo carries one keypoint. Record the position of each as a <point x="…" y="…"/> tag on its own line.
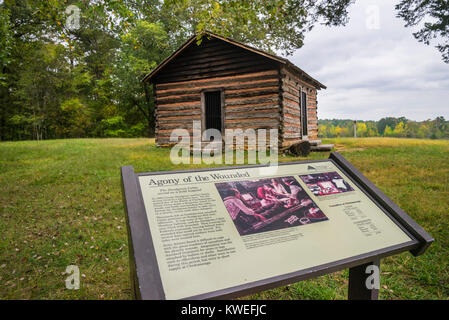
<point x="61" y="204"/>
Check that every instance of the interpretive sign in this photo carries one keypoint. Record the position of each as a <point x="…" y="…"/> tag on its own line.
<point x="227" y="232"/>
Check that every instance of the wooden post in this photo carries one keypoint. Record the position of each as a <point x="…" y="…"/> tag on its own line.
<point x="358" y="289"/>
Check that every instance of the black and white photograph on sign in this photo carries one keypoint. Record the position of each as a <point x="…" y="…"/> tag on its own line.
<point x="268" y="204"/>
<point x="326" y="183"/>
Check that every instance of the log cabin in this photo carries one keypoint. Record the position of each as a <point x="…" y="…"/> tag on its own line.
<point x="228" y="85"/>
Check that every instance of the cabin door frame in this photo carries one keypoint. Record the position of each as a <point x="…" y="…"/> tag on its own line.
<point x="203" y="109"/>
<point x="304" y="117"/>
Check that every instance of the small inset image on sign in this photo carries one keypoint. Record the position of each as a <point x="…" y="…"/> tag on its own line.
<point x="323" y="184"/>
<point x="268" y="204"/>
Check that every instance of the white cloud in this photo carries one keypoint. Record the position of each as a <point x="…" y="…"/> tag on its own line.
<point x="374" y="73"/>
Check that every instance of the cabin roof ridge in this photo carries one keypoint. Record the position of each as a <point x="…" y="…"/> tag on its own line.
<point x="268" y="55"/>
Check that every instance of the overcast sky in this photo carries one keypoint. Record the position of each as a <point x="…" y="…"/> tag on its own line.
<point x="373" y="70"/>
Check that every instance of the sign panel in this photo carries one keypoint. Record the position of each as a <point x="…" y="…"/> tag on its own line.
<point x="218" y="229"/>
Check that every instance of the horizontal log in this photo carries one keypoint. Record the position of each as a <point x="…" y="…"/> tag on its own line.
<point x="188" y="112"/>
<point x="291" y="105"/>
<point x="322" y="147"/>
<point x="252" y="100"/>
<point x="291" y="128"/>
<point x="252" y="115"/>
<point x="292" y="140"/>
<point x="289" y="81"/>
<point x="234" y="71"/>
<point x="238" y="120"/>
<point x="314" y="142"/>
<point x="167" y="120"/>
<point x="286" y="143"/>
<point x="261" y="93"/>
<point x="166" y="138"/>
<point x="215" y="57"/>
<point x="167" y="132"/>
<point x="198" y="64"/>
<point x="204" y="54"/>
<point x="290" y="87"/>
<point x="189" y="98"/>
<point x="264" y="90"/>
<point x="290" y="96"/>
<point x="178" y="107"/>
<point x="162" y="141"/>
<point x="268" y="82"/>
<point x="290" y="84"/>
<point x="271" y="123"/>
<point x="296" y="115"/>
<point x="294" y="88"/>
<point x="291" y="122"/>
<point x="243" y="77"/>
<point x="179" y="95"/>
<point x="291" y="114"/>
<point x="291" y="135"/>
<point x="232" y="66"/>
<point x="171" y="126"/>
<point x="200" y="52"/>
<point x="250" y="107"/>
<point x="288" y="110"/>
<point x="251" y="93"/>
<point x="291" y="91"/>
<point x="205" y="51"/>
<point x="167" y="143"/>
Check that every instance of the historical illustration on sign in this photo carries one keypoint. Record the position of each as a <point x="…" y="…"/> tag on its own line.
<point x="268" y="204"/>
<point x="322" y="184"/>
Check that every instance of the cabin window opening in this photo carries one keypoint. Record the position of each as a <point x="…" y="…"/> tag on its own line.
<point x="304" y="113"/>
<point x="212" y="111"/>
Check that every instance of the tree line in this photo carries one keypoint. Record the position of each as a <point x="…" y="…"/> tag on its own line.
<point x="74" y="68"/>
<point x="386" y="127"/>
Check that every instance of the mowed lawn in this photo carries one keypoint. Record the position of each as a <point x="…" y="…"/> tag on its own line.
<point x="61" y="204"/>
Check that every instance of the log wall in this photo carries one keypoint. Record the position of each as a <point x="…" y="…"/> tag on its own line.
<point x="291" y="86"/>
<point x="251" y="100"/>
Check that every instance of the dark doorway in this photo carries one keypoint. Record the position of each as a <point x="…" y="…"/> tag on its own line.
<point x="213" y="112"/>
<point x="304" y="114"/>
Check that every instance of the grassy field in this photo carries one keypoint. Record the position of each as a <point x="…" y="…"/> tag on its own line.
<point x="61" y="204"/>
